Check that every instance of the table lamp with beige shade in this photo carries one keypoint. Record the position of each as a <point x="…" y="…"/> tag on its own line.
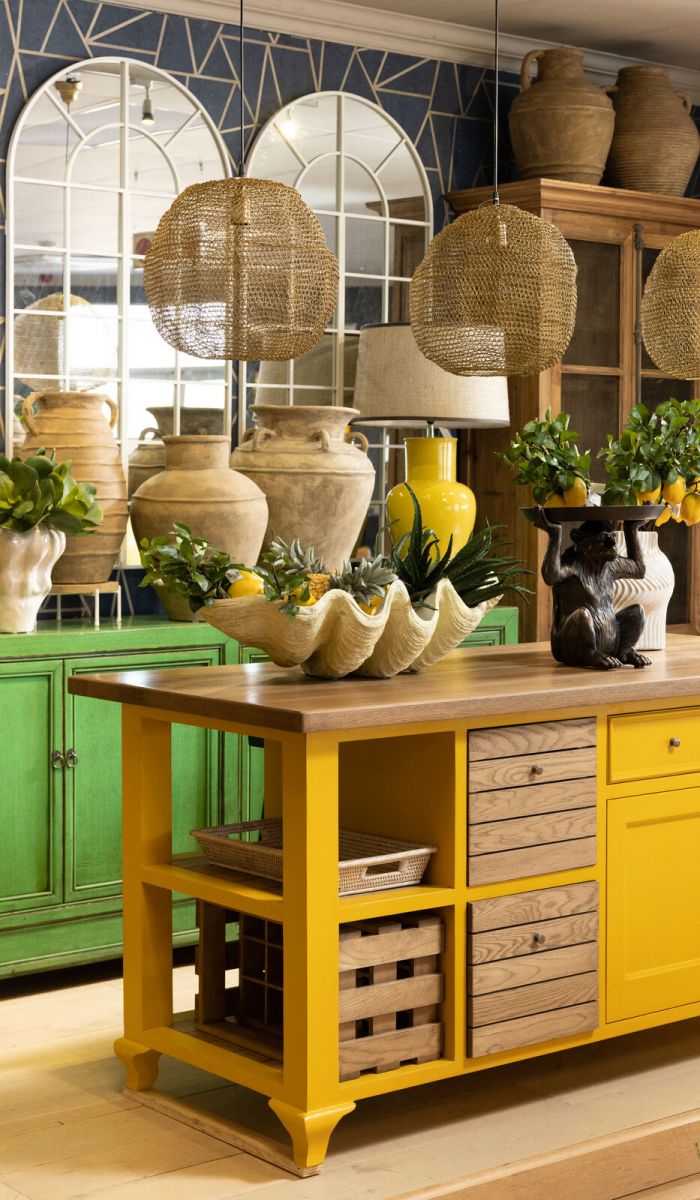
<point x="396" y="386"/>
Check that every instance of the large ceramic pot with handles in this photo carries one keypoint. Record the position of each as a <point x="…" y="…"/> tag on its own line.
<point x="561" y="126"/>
<point x="76" y="426"/>
<point x="655" y="145"/>
<point x="315" y="473"/>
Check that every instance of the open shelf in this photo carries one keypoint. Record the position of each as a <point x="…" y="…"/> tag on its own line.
<point x="194" y="876"/>
<point x="394" y="902"/>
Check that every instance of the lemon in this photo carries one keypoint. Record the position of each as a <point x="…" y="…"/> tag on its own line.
<point x="648" y="497"/>
<point x="247" y="584"/>
<point x="673" y="493"/>
<point x="373" y="605"/>
<point x="554" y="500"/>
<point x="665" y="516"/>
<point x="577" y="494"/>
<point x="690" y="508"/>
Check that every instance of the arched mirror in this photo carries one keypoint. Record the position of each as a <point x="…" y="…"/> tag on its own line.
<point x="362" y="176"/>
<point x="98" y="154"/>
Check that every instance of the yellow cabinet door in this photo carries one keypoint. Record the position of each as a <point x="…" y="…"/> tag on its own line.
<point x="653" y="903"/>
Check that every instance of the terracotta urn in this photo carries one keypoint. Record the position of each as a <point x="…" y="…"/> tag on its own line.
<point x="146" y="460"/>
<point x="653" y="592"/>
<point x="655" y="145"/>
<point x="316" y="475"/>
<point x="26" y="561"/>
<point x="74" y="424"/>
<point x="199" y="489"/>
<point x="561" y="126"/>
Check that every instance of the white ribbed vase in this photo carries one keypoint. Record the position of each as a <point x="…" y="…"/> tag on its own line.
<point x="26" y="562"/>
<point x="653" y="592"/>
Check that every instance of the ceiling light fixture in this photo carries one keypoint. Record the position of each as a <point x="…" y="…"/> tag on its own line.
<point x="496" y="291"/>
<point x="239" y="268"/>
<point x="671" y="308"/>
<point x="147" y="117"/>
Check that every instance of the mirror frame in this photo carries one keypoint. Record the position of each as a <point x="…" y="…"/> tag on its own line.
<point x="127" y="68"/>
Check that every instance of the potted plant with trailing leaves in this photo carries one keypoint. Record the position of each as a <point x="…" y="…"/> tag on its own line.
<point x="40" y="502"/>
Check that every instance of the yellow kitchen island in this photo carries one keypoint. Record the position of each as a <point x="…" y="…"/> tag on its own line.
<point x="562" y="904"/>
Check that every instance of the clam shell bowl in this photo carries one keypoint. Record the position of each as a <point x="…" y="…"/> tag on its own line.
<point x="334" y="637"/>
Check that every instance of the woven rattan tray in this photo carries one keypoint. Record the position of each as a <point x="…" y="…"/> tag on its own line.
<point x="367" y="863"/>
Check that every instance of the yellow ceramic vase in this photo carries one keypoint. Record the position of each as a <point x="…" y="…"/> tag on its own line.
<point x="447" y="507"/>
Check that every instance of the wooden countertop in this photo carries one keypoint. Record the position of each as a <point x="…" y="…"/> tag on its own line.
<point x="468" y="683"/>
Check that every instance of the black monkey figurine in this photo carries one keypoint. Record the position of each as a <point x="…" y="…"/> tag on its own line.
<point x="586" y="630"/>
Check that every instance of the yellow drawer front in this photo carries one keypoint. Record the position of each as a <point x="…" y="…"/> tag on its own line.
<point x="650" y="745"/>
<point x="653" y="944"/>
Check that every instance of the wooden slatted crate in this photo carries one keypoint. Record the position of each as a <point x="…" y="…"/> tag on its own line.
<point x="391" y="987"/>
<point x="390" y="991"/>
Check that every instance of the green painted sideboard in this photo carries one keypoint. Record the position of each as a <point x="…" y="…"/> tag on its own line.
<point x="60" y="780"/>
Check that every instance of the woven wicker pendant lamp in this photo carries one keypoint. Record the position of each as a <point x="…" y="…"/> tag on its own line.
<point x="671" y="308"/>
<point x="496" y="291"/>
<point x="239" y="268"/>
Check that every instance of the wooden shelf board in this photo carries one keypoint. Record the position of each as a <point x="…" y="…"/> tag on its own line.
<point x="394" y="902"/>
<point x="216" y="1056"/>
<point x="231" y="889"/>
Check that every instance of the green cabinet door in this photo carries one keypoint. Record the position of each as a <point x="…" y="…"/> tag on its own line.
<point x="30" y="786"/>
<point x="93" y="782"/>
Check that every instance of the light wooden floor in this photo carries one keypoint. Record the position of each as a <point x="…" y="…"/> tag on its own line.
<point x="68" y="1133"/>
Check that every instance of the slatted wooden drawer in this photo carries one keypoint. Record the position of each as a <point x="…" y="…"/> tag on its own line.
<point x="532" y="799"/>
<point x="532" y="968"/>
<point x="651" y="745"/>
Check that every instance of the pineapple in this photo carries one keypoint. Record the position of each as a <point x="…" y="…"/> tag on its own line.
<point x="316" y="585"/>
<point x="293" y="575"/>
<point x="295" y="558"/>
<point x="366" y="583"/>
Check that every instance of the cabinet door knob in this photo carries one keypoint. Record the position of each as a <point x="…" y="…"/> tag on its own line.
<point x="539" y="939"/>
<point x="675" y="742"/>
<point x="538" y="769"/>
<point x="57" y="760"/>
<point x="71" y="758"/>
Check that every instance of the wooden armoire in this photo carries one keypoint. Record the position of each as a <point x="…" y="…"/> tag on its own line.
<point x="616" y="236"/>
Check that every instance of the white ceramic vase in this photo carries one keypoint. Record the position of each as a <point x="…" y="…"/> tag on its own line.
<point x="653" y="592"/>
<point x="26" y="562"/>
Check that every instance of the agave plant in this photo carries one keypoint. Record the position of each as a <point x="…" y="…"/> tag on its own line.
<point x="476" y="572"/>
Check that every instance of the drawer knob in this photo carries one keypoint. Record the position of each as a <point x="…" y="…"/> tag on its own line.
<point x="538" y="769"/>
<point x="675" y="742"/>
<point x="539" y="939"/>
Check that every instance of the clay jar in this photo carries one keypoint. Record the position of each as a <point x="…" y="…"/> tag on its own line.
<point x="199" y="489"/>
<point x="318" y="484"/>
<point x="561" y="126"/>
<point x="75" y="426"/>
<point x="656" y="143"/>
<point x="146" y="460"/>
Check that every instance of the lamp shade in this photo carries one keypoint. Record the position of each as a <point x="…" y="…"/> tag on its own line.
<point x="396" y="385"/>
<point x="495" y="294"/>
<point x="671" y="308"/>
<point x="85" y="360"/>
<point x="239" y="269"/>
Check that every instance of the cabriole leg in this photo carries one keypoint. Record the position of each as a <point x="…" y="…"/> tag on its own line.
<point x="310" y="1131"/>
<point x="140" y="1062"/>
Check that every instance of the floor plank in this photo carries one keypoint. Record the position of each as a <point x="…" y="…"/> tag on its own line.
<point x="68" y="1133"/>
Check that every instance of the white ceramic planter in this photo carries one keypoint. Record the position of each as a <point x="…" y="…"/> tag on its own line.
<point x="26" y="562"/>
<point x="653" y="592"/>
<point x="335" y="638"/>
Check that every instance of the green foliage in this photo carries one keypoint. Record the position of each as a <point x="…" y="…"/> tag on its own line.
<point x="40" y="491"/>
<point x="476" y="572"/>
<point x="655" y="447"/>
<point x="367" y="578"/>
<point x="187" y="565"/>
<point x="284" y="570"/>
<point x="546" y="457"/>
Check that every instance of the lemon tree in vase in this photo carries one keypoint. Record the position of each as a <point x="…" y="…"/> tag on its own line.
<point x="656" y="460"/>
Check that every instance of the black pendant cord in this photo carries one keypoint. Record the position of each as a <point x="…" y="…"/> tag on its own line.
<point x="241" y="79"/>
<point x="496" y="197"/>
